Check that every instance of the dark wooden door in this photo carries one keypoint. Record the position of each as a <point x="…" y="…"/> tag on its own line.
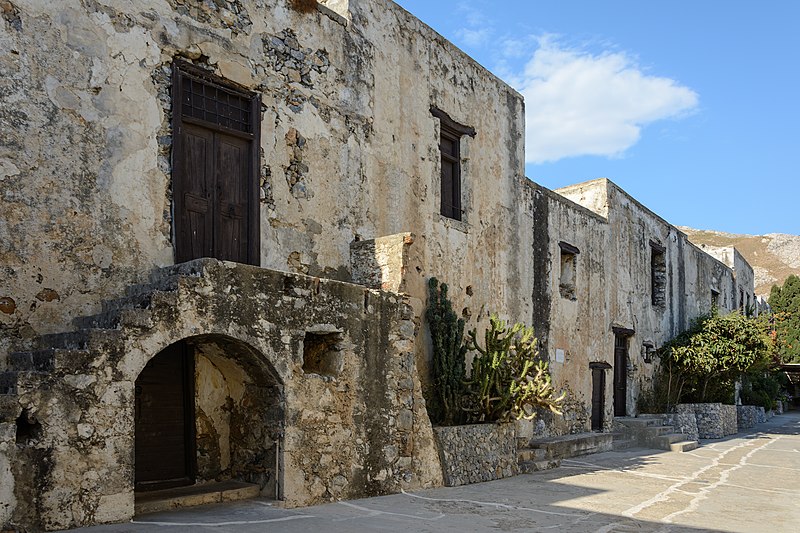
<point x="620" y="375"/>
<point x="212" y="195"/>
<point x="214" y="162"/>
<point x="164" y="420"/>
<point x="598" y="397"/>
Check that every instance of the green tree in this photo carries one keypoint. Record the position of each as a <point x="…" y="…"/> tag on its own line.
<point x="785" y="303"/>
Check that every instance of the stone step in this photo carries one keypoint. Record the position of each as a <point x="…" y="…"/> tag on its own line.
<point x="684" y="446"/>
<point x="664" y="442"/>
<point x="530" y="454"/>
<point x="164" y="500"/>
<point x="81" y="339"/>
<point x="49" y="359"/>
<point x="121" y="318"/>
<point x="528" y="467"/>
<point x="573" y="445"/>
<point x="8" y="383"/>
<point x="623" y="444"/>
<point x="636" y="422"/>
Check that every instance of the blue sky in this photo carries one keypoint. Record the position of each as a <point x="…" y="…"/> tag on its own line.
<point x="693" y="107"/>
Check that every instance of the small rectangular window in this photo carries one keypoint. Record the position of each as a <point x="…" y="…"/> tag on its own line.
<point x="714" y="299"/>
<point x="566" y="284"/>
<point x="450" y="133"/>
<point x="658" y="274"/>
<point x="450" y="148"/>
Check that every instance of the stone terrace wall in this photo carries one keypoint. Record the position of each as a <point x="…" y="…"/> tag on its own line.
<point x="747" y="416"/>
<point x="476" y="453"/>
<point x="714" y="420"/>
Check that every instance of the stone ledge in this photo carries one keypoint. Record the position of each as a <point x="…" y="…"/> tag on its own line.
<point x="164" y="500"/>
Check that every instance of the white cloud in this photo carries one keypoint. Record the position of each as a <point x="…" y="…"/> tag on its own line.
<point x="477" y="30"/>
<point x="473" y="36"/>
<point x="578" y="103"/>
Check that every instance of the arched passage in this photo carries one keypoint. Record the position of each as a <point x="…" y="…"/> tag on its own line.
<point x="208" y="408"/>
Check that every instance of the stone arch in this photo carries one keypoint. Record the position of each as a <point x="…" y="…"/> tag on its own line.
<point x="237" y="411"/>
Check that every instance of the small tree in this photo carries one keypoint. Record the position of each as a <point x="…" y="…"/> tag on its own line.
<point x="508" y="379"/>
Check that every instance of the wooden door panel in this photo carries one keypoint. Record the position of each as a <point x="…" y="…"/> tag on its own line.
<point x="233" y="181"/>
<point x="620" y="379"/>
<point x="598" y="397"/>
<point x="194" y="187"/>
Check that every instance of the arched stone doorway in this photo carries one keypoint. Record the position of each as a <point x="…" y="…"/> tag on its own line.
<point x="208" y="408"/>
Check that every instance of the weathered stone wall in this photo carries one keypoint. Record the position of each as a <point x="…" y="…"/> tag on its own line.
<point x="361" y="430"/>
<point x="574" y="331"/>
<point x="477" y="452"/>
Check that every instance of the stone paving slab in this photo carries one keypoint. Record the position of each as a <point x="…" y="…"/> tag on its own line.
<point x="745" y="483"/>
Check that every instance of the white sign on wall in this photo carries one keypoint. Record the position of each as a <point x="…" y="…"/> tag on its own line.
<point x="559" y="355"/>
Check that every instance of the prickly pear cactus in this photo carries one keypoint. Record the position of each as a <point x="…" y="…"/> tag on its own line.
<point x="508" y="379"/>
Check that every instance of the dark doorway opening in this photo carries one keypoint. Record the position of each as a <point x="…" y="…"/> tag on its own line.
<point x="214" y="167"/>
<point x="620" y="373"/>
<point x="598" y="394"/>
<point x="164" y="420"/>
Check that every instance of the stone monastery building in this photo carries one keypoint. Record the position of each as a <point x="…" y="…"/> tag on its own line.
<point x="218" y="222"/>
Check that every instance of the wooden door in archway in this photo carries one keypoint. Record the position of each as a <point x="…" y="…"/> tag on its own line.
<point x="164" y="420"/>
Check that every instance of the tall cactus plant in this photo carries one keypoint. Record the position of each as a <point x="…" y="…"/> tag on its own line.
<point x="447" y="334"/>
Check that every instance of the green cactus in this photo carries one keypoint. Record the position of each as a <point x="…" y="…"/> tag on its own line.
<point x="508" y="379"/>
<point x="447" y="334"/>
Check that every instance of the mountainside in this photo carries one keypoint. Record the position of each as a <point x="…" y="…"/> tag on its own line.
<point x="773" y="256"/>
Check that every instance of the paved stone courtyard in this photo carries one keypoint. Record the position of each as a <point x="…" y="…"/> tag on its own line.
<point x="746" y="483"/>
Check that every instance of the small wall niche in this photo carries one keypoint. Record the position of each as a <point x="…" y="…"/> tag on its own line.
<point x="28" y="428"/>
<point x="658" y="275"/>
<point x="566" y="284"/>
<point x="322" y="353"/>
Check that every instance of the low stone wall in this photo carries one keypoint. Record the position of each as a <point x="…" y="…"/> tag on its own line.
<point x="747" y="416"/>
<point x="714" y="420"/>
<point x="761" y="415"/>
<point x="476" y="453"/>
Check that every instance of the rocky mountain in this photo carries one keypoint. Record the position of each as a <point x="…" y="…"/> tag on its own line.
<point x="773" y="256"/>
